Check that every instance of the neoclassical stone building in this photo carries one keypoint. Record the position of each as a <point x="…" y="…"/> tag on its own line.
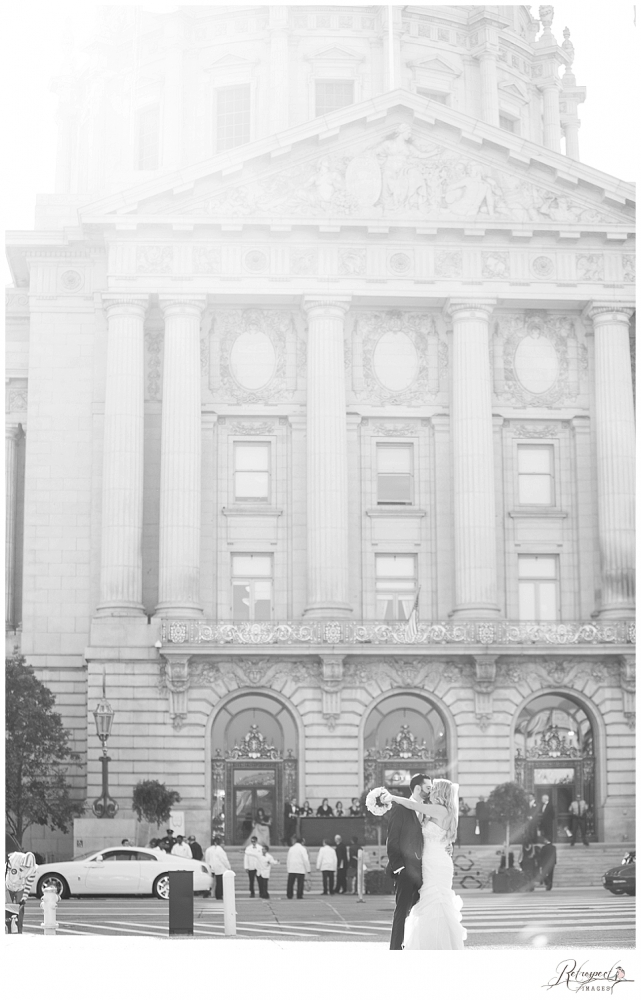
<point x="326" y="321"/>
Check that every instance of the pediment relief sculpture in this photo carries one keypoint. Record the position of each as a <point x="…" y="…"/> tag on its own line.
<point x="402" y="174"/>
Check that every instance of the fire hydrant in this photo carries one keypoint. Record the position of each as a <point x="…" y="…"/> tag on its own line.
<point x="49" y="904"/>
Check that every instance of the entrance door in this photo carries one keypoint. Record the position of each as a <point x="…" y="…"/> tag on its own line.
<point x="560" y="797"/>
<point x="254" y="804"/>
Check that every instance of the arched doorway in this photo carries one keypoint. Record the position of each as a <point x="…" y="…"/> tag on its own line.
<point x="554" y="743"/>
<point x="254" y="767"/>
<point x="404" y="734"/>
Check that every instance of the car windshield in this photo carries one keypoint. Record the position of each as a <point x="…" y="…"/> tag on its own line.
<point x="83" y="857"/>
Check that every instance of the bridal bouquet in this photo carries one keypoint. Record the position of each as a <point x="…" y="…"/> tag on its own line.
<point x="374" y="804"/>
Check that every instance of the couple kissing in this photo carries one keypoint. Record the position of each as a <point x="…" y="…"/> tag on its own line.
<point x="421" y="830"/>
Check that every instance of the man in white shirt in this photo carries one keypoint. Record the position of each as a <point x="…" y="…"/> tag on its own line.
<point x="218" y="861"/>
<point x="326" y="864"/>
<point x="297" y="867"/>
<point x="181" y="849"/>
<point x="579" y="821"/>
<point x="252" y="853"/>
<point x="263" y="872"/>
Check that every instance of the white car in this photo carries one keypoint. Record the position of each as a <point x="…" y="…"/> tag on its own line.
<point x="120" y="870"/>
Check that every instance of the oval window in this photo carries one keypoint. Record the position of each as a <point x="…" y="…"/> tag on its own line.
<point x="253" y="359"/>
<point x="395" y="361"/>
<point x="536" y="364"/>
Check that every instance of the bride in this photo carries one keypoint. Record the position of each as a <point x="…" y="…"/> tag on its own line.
<point x="434" y="923"/>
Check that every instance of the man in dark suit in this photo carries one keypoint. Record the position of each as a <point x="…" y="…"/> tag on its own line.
<point x="547" y="818"/>
<point x="547" y="861"/>
<point x="483" y="819"/>
<point x="292" y="812"/>
<point x="341" y="868"/>
<point x="405" y="853"/>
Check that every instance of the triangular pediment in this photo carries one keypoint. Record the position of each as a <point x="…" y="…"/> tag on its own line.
<point x="437" y="65"/>
<point x="512" y="90"/>
<point x="334" y="54"/>
<point x="405" y="163"/>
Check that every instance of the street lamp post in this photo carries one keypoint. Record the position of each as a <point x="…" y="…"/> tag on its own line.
<point x="104" y="807"/>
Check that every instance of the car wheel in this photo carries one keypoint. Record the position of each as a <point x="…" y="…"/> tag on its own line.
<point x="53" y="881"/>
<point x="617" y="892"/>
<point x="630" y="892"/>
<point x="161" y="887"/>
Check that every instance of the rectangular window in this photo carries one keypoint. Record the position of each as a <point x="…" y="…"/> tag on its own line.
<point x="251" y="587"/>
<point x="148" y="138"/>
<point x="396" y="587"/>
<point x="433" y="95"/>
<point x="251" y="472"/>
<point x="509" y="124"/>
<point x="333" y="94"/>
<point x="232" y="117"/>
<point x="538" y="588"/>
<point x="395" y="479"/>
<point x="536" y="474"/>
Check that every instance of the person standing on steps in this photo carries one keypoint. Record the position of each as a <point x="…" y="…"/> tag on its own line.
<point x="263" y="872"/>
<point x="579" y="821"/>
<point x="547" y="861"/>
<point x="326" y="864"/>
<point x="250" y="863"/>
<point x="298" y="867"/>
<point x="483" y="819"/>
<point x="195" y="848"/>
<point x="547" y="817"/>
<point x="216" y="858"/>
<point x="341" y="867"/>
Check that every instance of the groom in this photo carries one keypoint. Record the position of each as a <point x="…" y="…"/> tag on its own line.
<point x="405" y="852"/>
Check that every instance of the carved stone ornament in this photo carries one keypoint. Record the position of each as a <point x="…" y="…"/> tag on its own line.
<point x="542" y="266"/>
<point x="154" y="259"/>
<point x="541" y="363"/>
<point x="253" y="347"/>
<point x="303" y="261"/>
<point x="400" y="173"/>
<point x="496" y="265"/>
<point x="154" y="348"/>
<point x="257" y="429"/>
<point x="206" y="259"/>
<point x="16" y="395"/>
<point x="448" y="264"/>
<point x="71" y="281"/>
<point x="589" y="267"/>
<point x="352" y="262"/>
<point x="392" y="429"/>
<point x="254" y="746"/>
<point x="629" y="267"/>
<point x="399" y="356"/>
<point x="536" y="430"/>
<point x="400" y="263"/>
<point x="256" y="261"/>
<point x="552" y="745"/>
<point x="405" y="745"/>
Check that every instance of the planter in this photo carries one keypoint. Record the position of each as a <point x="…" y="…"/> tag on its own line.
<point x="510" y="880"/>
<point x="378" y="883"/>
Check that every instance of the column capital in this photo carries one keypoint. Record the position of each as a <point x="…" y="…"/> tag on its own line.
<point x="121" y="304"/>
<point x="605" y="312"/>
<point x="340" y="303"/>
<point x="182" y="305"/>
<point x="12" y="432"/>
<point x="483" y="306"/>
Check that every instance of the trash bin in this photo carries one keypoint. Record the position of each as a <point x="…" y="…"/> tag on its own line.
<point x="181" y="904"/>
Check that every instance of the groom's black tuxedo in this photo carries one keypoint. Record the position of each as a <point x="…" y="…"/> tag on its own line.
<point x="404" y="850"/>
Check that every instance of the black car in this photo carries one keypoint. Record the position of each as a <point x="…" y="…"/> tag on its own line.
<point x="622" y="879"/>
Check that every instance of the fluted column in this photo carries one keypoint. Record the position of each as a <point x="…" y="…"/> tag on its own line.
<point x="279" y="68"/>
<point x="122" y="463"/>
<point x="327" y="536"/>
<point x="551" y="117"/>
<point x="571" y="132"/>
<point x="180" y="461"/>
<point x="475" y="587"/>
<point x="12" y="434"/>
<point x="615" y="454"/>
<point x="489" y="88"/>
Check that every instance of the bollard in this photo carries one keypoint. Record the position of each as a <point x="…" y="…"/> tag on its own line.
<point x="229" y="902"/>
<point x="48" y="905"/>
<point x="360" y="875"/>
<point x="181" y="904"/>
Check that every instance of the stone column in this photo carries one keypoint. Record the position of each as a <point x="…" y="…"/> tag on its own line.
<point x="571" y="132"/>
<point x="122" y="464"/>
<point x="615" y="454"/>
<point x="12" y="435"/>
<point x="551" y="117"/>
<point x="278" y="68"/>
<point x="489" y="88"/>
<point x="475" y="590"/>
<point x="327" y="535"/>
<point x="180" y="460"/>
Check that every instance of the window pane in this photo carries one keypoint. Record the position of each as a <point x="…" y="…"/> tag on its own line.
<point x="232" y="117"/>
<point x="527" y="606"/>
<point x="535" y="489"/>
<point x="333" y="94"/>
<point x="547" y="600"/>
<point x="540" y="567"/>
<point x="385" y="607"/>
<point x="394" y="489"/>
<point x="252" y="486"/>
<point x="394" y="459"/>
<point x="533" y="459"/>
<point x="240" y="601"/>
<point x="251" y="457"/>
<point x="405" y="605"/>
<point x="262" y="600"/>
<point x="395" y="566"/>
<point x="251" y="566"/>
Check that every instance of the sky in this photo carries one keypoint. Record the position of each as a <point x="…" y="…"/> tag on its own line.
<point x="604" y="38"/>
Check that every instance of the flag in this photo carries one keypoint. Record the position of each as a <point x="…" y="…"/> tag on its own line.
<point x="411" y="629"/>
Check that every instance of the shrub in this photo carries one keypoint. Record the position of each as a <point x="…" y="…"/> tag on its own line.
<point x="153" y="802"/>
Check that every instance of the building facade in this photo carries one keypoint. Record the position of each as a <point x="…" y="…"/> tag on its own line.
<point x="320" y="429"/>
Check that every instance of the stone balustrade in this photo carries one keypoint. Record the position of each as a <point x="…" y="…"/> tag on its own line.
<point x="306" y="632"/>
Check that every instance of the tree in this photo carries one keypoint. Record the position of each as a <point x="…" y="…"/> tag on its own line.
<point x="153" y="801"/>
<point x="508" y="804"/>
<point x="37" y="745"/>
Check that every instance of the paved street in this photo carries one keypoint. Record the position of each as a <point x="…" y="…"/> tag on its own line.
<point x="567" y="917"/>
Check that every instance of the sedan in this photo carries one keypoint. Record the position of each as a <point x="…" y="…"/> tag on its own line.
<point x="120" y="871"/>
<point x="622" y="879"/>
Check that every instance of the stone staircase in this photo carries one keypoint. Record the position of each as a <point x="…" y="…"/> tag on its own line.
<point x="577" y="867"/>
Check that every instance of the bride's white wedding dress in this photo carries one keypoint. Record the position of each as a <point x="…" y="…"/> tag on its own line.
<point x="434" y="923"/>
